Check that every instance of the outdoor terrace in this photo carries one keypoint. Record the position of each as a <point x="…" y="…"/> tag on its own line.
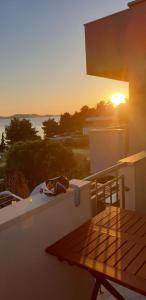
<point x="30" y="225"/>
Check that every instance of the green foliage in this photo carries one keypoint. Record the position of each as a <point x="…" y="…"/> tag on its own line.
<point x="80" y="142"/>
<point x="39" y="160"/>
<point x="2" y="144"/>
<point x="75" y="122"/>
<point x="66" y="123"/>
<point x="82" y="167"/>
<point x="20" y="130"/>
<point x="50" y="128"/>
<point x="104" y="108"/>
<point x="2" y="170"/>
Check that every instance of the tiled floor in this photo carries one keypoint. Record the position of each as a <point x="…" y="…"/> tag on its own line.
<point x="127" y="294"/>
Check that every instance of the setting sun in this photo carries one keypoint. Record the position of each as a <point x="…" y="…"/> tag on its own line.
<point x="118" y="99"/>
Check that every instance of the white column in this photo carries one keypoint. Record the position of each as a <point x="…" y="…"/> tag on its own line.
<point x="134" y="173"/>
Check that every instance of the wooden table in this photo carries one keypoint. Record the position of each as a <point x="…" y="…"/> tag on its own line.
<point x="111" y="246"/>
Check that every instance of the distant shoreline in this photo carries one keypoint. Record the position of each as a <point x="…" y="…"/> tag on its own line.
<point x="28" y="116"/>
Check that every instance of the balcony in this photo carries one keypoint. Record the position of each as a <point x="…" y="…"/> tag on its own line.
<point x="28" y="226"/>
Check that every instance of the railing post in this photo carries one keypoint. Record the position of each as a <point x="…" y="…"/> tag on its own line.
<point x="122" y="190"/>
<point x="134" y="172"/>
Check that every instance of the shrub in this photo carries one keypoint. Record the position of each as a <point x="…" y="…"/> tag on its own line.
<point x="39" y="160"/>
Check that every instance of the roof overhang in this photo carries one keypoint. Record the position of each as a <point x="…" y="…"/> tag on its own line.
<point x="106" y="46"/>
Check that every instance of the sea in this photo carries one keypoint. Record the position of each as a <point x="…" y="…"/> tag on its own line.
<point x="36" y="122"/>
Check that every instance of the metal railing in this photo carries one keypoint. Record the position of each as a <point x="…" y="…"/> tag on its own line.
<point x="8" y="198"/>
<point x="107" y="188"/>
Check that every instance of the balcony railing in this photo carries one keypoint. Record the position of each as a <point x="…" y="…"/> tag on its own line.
<point x="107" y="188"/>
<point x="8" y="198"/>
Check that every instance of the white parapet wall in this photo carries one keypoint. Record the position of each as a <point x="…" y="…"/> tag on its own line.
<point x="26" y="229"/>
<point x="134" y="171"/>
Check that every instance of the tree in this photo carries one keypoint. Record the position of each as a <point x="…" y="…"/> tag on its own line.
<point x="20" y="130"/>
<point x="40" y="160"/>
<point x="104" y="108"/>
<point x="66" y="123"/>
<point x="85" y="110"/>
<point x="50" y="127"/>
<point x="2" y="144"/>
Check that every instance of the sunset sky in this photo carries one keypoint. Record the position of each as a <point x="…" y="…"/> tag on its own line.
<point x="42" y="51"/>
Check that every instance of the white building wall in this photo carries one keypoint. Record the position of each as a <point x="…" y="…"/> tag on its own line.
<point x="107" y="146"/>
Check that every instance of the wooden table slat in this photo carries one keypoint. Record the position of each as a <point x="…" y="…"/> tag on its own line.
<point x="112" y="244"/>
<point x="109" y="251"/>
<point x="124" y="223"/>
<point x="106" y="218"/>
<point x="132" y="222"/>
<point x="101" y="247"/>
<point x="142" y="271"/>
<point x="137" y="262"/>
<point x="135" y="228"/>
<point x="90" y="242"/>
<point x="116" y="219"/>
<point x="121" y="252"/>
<point x="129" y="257"/>
<point x="142" y="230"/>
<point x="110" y="213"/>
